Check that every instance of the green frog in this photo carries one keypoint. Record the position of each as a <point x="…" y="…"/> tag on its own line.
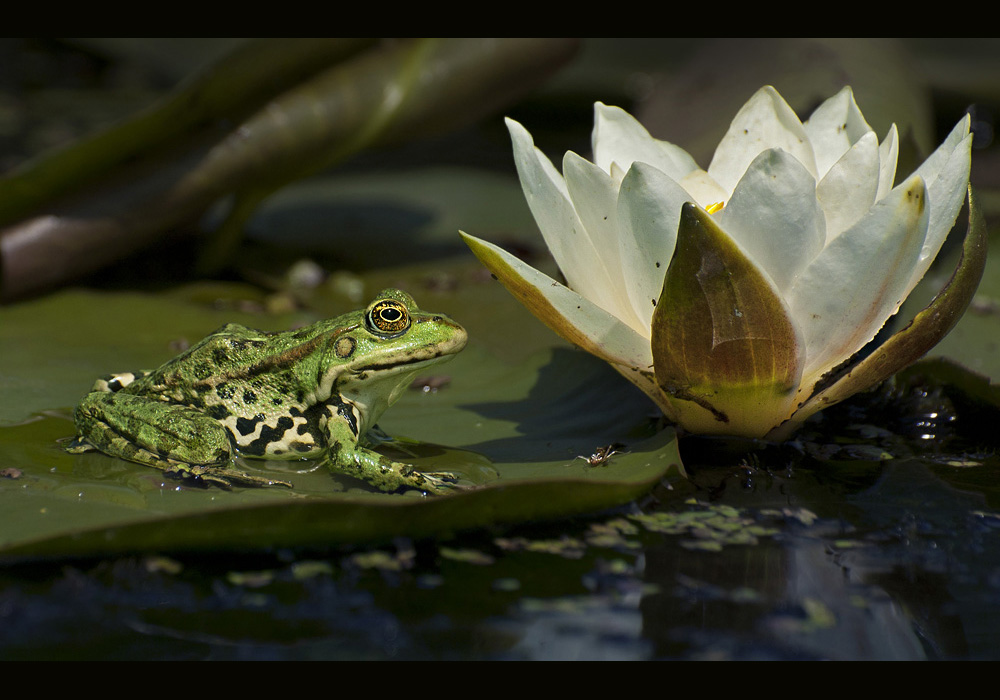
<point x="307" y="393"/>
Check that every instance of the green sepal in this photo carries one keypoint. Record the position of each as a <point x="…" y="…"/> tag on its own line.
<point x="722" y="338"/>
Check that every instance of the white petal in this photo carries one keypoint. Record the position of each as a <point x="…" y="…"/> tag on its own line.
<point x="774" y="216"/>
<point x="859" y="280"/>
<point x="567" y="313"/>
<point x="649" y="208"/>
<point x="848" y="190"/>
<point x="834" y="127"/>
<point x="564" y="234"/>
<point x="888" y="155"/>
<point x="946" y="172"/>
<point x="619" y="138"/>
<point x="936" y="160"/>
<point x="595" y="197"/>
<point x="703" y="189"/>
<point x="765" y="121"/>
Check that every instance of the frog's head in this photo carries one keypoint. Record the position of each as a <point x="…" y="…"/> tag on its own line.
<point x="378" y="354"/>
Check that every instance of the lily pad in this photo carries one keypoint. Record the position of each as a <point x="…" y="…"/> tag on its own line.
<point x="517" y="429"/>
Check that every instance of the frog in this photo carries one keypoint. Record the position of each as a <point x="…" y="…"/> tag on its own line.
<point x="308" y="393"/>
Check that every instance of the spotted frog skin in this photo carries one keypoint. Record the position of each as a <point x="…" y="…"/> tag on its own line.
<point x="308" y="393"/>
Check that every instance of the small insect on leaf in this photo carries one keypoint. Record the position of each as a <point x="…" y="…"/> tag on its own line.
<point x="601" y="455"/>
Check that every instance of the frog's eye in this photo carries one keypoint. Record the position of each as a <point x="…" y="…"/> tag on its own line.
<point x="388" y="318"/>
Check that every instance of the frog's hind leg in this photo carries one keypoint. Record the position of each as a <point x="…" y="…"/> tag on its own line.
<point x="221" y="476"/>
<point x="109" y="383"/>
<point x="178" y="440"/>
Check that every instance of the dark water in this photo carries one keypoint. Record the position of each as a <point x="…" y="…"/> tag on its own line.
<point x="908" y="569"/>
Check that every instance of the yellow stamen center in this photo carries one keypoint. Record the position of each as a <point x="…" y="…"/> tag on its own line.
<point x="712" y="208"/>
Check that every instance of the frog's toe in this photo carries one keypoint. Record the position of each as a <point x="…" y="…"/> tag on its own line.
<point x="227" y="478"/>
<point x="209" y="479"/>
<point x="79" y="445"/>
<point x="249" y="480"/>
<point x="440" y="483"/>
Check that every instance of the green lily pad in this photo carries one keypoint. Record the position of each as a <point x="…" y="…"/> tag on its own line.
<point x="519" y="430"/>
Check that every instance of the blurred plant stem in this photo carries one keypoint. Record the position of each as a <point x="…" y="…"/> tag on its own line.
<point x="270" y="113"/>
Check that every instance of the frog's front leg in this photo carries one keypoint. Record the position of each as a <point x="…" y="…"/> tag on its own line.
<point x="346" y="456"/>
<point x="175" y="439"/>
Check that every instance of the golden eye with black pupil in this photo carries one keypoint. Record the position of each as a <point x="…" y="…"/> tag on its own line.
<point x="388" y="317"/>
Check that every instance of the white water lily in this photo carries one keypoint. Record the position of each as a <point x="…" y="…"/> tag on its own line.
<point x="730" y="295"/>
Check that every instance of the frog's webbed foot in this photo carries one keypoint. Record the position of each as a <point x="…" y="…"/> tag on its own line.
<point x="436" y="483"/>
<point x="224" y="478"/>
<point x="79" y="445"/>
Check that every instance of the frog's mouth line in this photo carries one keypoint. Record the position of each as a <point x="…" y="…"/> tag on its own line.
<point x="388" y="368"/>
<point x="446" y="351"/>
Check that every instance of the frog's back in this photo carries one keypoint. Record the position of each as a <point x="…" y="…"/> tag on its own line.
<point x="266" y="368"/>
<point x="228" y="350"/>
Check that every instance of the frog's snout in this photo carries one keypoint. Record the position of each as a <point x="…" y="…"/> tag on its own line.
<point x="456" y="335"/>
<point x="459" y="335"/>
